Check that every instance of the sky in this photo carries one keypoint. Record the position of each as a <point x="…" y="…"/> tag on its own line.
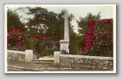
<point x="106" y="11"/>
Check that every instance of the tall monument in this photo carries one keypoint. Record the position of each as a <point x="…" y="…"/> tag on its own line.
<point x="64" y="44"/>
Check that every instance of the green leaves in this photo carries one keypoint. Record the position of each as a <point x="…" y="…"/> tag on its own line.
<point x="13" y="20"/>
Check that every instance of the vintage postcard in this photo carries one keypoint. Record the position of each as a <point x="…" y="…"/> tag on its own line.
<point x="60" y="38"/>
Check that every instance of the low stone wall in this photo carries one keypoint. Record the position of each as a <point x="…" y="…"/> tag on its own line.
<point x="89" y="62"/>
<point x="16" y="55"/>
<point x="26" y="56"/>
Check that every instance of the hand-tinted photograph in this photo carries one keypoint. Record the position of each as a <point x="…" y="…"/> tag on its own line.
<point x="60" y="38"/>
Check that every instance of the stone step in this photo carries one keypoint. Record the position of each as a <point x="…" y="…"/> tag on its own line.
<point x="38" y="61"/>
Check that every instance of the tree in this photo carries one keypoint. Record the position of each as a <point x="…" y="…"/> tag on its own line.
<point x="53" y="22"/>
<point x="43" y="16"/>
<point x="83" y="21"/>
<point x="73" y="46"/>
<point x="13" y="20"/>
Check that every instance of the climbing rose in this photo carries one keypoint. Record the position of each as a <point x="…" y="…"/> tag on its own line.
<point x="89" y="38"/>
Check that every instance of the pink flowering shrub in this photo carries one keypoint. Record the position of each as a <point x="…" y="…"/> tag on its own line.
<point x="98" y="39"/>
<point x="15" y="38"/>
<point x="18" y="39"/>
<point x="89" y="36"/>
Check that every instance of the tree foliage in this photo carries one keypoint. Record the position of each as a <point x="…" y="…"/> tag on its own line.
<point x="83" y="21"/>
<point x="13" y="20"/>
<point x="43" y="16"/>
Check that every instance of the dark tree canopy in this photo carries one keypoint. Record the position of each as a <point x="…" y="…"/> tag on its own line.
<point x="83" y="21"/>
<point x="13" y="20"/>
<point x="53" y="22"/>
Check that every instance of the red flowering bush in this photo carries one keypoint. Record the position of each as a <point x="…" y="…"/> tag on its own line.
<point x="15" y="38"/>
<point x="106" y="21"/>
<point x="99" y="38"/>
<point x="15" y="31"/>
<point x="89" y="36"/>
<point x="19" y="39"/>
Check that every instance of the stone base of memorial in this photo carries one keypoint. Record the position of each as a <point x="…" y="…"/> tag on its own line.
<point x="64" y="46"/>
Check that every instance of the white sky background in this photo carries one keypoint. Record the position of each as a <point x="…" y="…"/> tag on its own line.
<point x="106" y="11"/>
